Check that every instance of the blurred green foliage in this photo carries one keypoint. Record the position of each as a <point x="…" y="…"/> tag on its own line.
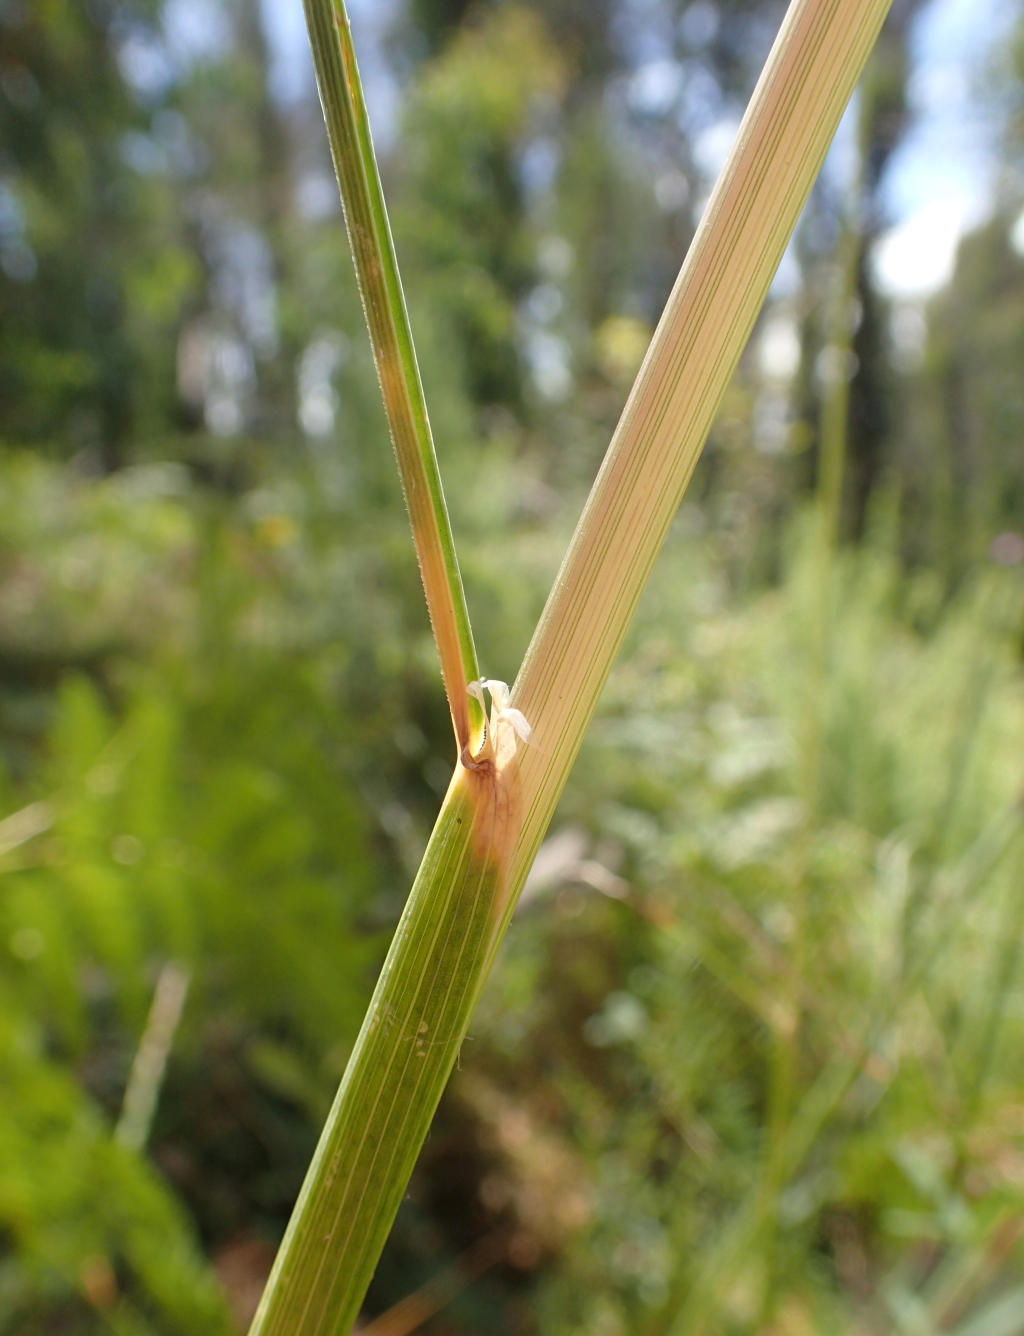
<point x="803" y="1052"/>
<point x="748" y="1063"/>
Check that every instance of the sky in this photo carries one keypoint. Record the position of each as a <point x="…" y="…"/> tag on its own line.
<point x="941" y="180"/>
<point x="292" y="66"/>
<point x="939" y="184"/>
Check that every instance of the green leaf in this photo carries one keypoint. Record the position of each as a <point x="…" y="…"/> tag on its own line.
<point x="387" y="319"/>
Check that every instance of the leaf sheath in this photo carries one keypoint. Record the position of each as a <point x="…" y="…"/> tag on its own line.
<point x="403" y="1057"/>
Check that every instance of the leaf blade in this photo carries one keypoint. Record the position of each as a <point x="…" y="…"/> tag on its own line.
<point x="790" y="121"/>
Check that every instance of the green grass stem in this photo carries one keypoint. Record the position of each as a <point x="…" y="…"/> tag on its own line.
<point x="387" y="319"/>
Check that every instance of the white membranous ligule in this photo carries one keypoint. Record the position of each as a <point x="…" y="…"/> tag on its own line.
<point x="505" y="723"/>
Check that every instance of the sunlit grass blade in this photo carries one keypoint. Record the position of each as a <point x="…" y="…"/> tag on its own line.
<point x="497" y="810"/>
<point x="150" y="1063"/>
<point x="387" y="319"/>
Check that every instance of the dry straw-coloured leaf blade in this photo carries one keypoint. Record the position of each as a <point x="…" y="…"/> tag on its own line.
<point x="780" y="146"/>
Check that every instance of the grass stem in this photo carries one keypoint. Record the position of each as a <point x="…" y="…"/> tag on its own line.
<point x="497" y="810"/>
